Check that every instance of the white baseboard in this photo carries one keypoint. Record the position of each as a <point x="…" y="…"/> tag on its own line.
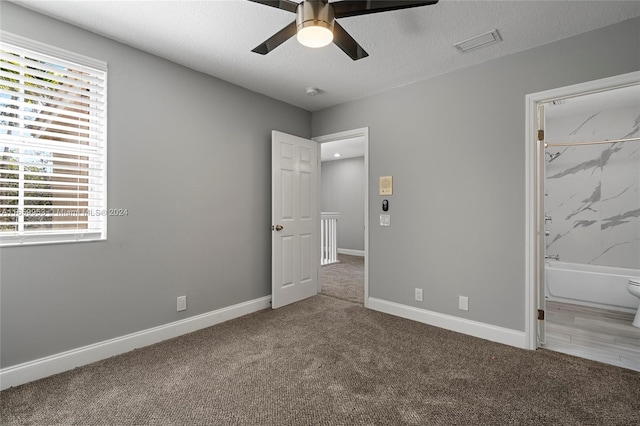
<point x="58" y="363"/>
<point x="351" y="252"/>
<point x="473" y="328"/>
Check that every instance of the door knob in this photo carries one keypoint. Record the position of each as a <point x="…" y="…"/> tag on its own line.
<point x="278" y="227"/>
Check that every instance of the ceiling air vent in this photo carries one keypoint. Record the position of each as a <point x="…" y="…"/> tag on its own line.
<point x="478" y="41"/>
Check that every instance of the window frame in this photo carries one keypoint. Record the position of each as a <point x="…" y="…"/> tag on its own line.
<point x="95" y="211"/>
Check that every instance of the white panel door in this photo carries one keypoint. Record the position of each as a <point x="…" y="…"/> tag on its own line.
<point x="295" y="256"/>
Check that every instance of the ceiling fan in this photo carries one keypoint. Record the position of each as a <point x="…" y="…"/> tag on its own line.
<point x="316" y="24"/>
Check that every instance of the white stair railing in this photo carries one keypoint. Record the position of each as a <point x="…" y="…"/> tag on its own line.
<point x="329" y="237"/>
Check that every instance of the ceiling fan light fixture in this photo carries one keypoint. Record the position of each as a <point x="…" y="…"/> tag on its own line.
<point x="316" y="25"/>
<point x="314" y="36"/>
<point x="314" y="22"/>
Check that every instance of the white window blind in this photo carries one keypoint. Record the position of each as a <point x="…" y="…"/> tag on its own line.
<point x="52" y="144"/>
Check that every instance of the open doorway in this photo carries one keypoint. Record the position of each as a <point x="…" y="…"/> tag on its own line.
<point x="343" y="201"/>
<point x="584" y="219"/>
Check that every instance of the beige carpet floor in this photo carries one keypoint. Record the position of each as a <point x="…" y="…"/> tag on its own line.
<point x="324" y="361"/>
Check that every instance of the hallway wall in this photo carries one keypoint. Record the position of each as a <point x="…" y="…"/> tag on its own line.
<point x="343" y="191"/>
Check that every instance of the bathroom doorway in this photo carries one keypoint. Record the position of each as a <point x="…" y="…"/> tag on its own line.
<point x="586" y="216"/>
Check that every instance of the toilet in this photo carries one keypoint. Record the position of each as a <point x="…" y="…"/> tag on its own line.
<point x="634" y="288"/>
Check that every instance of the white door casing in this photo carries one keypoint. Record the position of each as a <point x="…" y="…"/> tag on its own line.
<point x="540" y="224"/>
<point x="295" y="257"/>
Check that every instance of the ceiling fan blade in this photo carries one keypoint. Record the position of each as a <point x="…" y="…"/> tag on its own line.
<point x="346" y="8"/>
<point x="277" y="39"/>
<point x="279" y="4"/>
<point x="344" y="41"/>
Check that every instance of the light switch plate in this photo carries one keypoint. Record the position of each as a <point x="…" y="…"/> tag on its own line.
<point x="385" y="220"/>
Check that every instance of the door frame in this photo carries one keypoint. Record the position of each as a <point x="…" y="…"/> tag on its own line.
<point x="533" y="261"/>
<point x="348" y="134"/>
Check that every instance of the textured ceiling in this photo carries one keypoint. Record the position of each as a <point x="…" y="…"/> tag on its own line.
<point x="405" y="46"/>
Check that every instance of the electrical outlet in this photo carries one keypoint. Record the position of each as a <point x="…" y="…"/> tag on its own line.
<point x="419" y="294"/>
<point x="463" y="303"/>
<point x="182" y="303"/>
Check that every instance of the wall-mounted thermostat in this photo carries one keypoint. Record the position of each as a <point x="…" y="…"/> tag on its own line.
<point x="386" y="185"/>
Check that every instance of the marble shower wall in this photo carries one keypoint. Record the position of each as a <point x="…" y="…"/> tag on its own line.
<point x="593" y="191"/>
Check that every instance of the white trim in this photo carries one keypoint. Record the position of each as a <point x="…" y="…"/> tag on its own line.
<point x="532" y="101"/>
<point x="53" y="51"/>
<point x="351" y="252"/>
<point x="490" y="332"/>
<point x="58" y="363"/>
<point x="362" y="132"/>
<point x="530" y="295"/>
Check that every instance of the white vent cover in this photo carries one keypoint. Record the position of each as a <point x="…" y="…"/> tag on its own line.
<point x="478" y="41"/>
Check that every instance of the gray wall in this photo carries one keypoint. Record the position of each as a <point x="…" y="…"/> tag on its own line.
<point x="197" y="187"/>
<point x="343" y="192"/>
<point x="454" y="145"/>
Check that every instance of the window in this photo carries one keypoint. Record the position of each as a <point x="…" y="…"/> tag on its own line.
<point x="52" y="144"/>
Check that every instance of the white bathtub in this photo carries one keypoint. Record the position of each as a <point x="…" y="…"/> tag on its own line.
<point x="590" y="285"/>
